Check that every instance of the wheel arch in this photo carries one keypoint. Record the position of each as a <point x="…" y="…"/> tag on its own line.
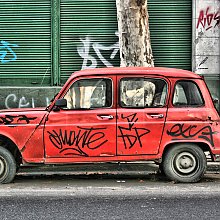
<point x="8" y="144"/>
<point x="204" y="146"/>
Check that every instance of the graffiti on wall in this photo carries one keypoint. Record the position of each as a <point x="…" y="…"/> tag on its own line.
<point x="13" y="101"/>
<point x="6" y="52"/>
<point x="207" y="35"/>
<point x="203" y="62"/>
<point x="208" y="19"/>
<point x="90" y="61"/>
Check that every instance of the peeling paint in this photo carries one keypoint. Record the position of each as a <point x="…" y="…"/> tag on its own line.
<point x="200" y="34"/>
<point x="206" y="47"/>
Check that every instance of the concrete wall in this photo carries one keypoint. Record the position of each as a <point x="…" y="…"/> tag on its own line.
<point x="206" y="42"/>
<point x="24" y="97"/>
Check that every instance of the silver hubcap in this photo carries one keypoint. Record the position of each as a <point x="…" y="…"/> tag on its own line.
<point x="2" y="166"/>
<point x="185" y="163"/>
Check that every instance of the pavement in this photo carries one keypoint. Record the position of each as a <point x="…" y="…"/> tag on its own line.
<point x="123" y="168"/>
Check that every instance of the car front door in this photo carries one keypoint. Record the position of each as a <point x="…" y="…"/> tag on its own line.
<point x="87" y="127"/>
<point x="141" y="114"/>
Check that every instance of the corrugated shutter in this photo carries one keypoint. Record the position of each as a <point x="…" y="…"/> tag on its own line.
<point x="87" y="35"/>
<point x="171" y="32"/>
<point x="87" y="22"/>
<point x="25" y="42"/>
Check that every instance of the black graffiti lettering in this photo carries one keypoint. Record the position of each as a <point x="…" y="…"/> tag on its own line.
<point x="25" y="119"/>
<point x="55" y="139"/>
<point x="8" y="119"/>
<point x="208" y="136"/>
<point x="139" y="135"/>
<point x="92" y="138"/>
<point x="191" y="131"/>
<point x="130" y="139"/>
<point x="18" y="119"/>
<point x="74" y="151"/>
<point x="178" y="130"/>
<point x="130" y="119"/>
<point x="62" y="139"/>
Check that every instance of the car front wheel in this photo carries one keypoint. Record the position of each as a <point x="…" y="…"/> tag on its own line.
<point x="184" y="163"/>
<point x="7" y="166"/>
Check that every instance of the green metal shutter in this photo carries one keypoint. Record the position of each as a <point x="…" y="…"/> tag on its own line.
<point x="25" y="46"/>
<point x="171" y="32"/>
<point x="88" y="22"/>
<point x="87" y="35"/>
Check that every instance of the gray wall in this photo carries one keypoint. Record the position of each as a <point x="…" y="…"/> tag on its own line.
<point x="206" y="42"/>
<point x="21" y="97"/>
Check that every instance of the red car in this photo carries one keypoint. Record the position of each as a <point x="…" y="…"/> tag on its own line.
<point x="117" y="114"/>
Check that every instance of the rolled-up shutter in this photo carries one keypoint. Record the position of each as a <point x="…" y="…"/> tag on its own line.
<point x="171" y="32"/>
<point x="88" y="35"/>
<point x="25" y="46"/>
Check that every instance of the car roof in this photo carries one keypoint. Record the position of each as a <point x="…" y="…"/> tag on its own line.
<point x="160" y="71"/>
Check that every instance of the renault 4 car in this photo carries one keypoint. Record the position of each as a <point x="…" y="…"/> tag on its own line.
<point x="117" y="115"/>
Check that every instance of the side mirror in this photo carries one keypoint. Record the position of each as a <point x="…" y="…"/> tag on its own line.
<point x="215" y="100"/>
<point x="216" y="103"/>
<point x="61" y="103"/>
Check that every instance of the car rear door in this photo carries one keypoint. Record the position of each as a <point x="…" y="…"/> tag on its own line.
<point x="141" y="114"/>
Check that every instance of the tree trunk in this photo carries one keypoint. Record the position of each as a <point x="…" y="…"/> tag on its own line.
<point x="134" y="34"/>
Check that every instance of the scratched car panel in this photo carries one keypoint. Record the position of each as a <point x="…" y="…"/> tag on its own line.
<point x="115" y="115"/>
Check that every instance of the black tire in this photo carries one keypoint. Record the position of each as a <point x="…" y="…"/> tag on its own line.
<point x="7" y="166"/>
<point x="184" y="163"/>
<point x="161" y="170"/>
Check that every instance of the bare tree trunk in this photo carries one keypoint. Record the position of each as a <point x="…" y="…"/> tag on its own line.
<point x="134" y="34"/>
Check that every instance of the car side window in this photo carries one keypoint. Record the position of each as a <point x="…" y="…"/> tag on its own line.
<point x="142" y="92"/>
<point x="90" y="94"/>
<point x="187" y="93"/>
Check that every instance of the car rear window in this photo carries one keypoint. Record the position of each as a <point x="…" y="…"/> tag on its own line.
<point x="187" y="94"/>
<point x="142" y="92"/>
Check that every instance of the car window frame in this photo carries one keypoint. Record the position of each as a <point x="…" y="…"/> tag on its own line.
<point x="143" y="77"/>
<point x="187" y="106"/>
<point x="91" y="78"/>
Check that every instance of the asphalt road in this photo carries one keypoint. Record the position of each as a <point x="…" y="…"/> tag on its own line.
<point x="111" y="207"/>
<point x="109" y="197"/>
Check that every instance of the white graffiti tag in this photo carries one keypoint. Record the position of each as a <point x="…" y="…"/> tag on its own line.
<point x="12" y="101"/>
<point x="90" y="62"/>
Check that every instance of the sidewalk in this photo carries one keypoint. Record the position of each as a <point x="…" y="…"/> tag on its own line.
<point x="143" y="168"/>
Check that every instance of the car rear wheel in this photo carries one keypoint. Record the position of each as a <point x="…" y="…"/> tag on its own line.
<point x="7" y="166"/>
<point x="184" y="163"/>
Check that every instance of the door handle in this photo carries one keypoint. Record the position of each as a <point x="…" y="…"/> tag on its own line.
<point x="106" y="117"/>
<point x="156" y="115"/>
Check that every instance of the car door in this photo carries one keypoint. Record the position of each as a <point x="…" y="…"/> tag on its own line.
<point x="87" y="127"/>
<point x="141" y="114"/>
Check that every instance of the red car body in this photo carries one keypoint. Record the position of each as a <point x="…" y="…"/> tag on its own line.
<point x="121" y="124"/>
